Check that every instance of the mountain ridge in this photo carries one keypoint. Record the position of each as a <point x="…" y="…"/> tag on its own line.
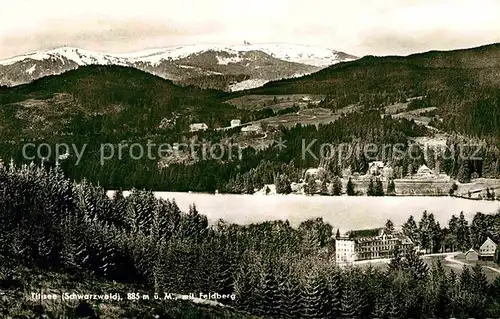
<point x="210" y="66"/>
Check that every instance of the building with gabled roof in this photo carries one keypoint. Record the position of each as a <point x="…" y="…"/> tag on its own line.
<point x="424" y="171"/>
<point x="315" y="173"/>
<point x="487" y="249"/>
<point x="373" y="243"/>
<point x="195" y="127"/>
<point x="251" y="129"/>
<point x="235" y="123"/>
<point x="472" y="255"/>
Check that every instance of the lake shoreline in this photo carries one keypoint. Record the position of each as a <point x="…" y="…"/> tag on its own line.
<point x="257" y="194"/>
<point x="343" y="212"/>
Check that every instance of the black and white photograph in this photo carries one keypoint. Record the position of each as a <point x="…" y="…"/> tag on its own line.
<point x="238" y="159"/>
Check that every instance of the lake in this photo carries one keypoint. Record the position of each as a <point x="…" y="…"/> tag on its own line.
<point x="343" y="212"/>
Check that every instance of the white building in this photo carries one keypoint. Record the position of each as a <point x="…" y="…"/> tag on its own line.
<point x="315" y="173"/>
<point x="487" y="249"/>
<point x="345" y="251"/>
<point x="366" y="244"/>
<point x="375" y="168"/>
<point x="198" y="127"/>
<point x="424" y="171"/>
<point x="251" y="129"/>
<point x="235" y="123"/>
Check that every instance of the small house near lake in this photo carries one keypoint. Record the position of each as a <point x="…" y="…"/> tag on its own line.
<point x="487" y="249"/>
<point x="315" y="173"/>
<point x="472" y="255"/>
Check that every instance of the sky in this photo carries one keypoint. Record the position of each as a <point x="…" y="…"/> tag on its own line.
<point x="359" y="27"/>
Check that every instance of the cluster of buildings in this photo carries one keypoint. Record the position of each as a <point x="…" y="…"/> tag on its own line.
<point x="369" y="244"/>
<point x="376" y="169"/>
<point x="246" y="130"/>
<point x="485" y="252"/>
<point x="379" y="169"/>
<point x="381" y="243"/>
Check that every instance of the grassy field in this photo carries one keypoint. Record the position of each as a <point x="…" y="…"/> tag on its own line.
<point x="448" y="265"/>
<point x="256" y="102"/>
<point x="416" y="115"/>
<point x="457" y="265"/>
<point x="309" y="116"/>
<point x="479" y="186"/>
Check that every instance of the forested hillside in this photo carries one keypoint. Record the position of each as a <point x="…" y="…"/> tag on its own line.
<point x="106" y="101"/>
<point x="463" y="84"/>
<point x="228" y="174"/>
<point x="95" y="105"/>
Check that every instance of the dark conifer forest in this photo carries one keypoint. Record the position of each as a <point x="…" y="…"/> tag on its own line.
<point x="51" y="223"/>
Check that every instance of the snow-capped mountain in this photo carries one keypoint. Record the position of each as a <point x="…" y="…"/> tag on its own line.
<point x="210" y="66"/>
<point x="79" y="56"/>
<point x="309" y="55"/>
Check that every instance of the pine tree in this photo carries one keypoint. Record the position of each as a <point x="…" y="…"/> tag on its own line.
<point x="479" y="281"/>
<point x="310" y="243"/>
<point x="311" y="187"/>
<point x="268" y="292"/>
<point x="282" y="184"/>
<point x="410" y="169"/>
<point x="378" y="189"/>
<point x="337" y="186"/>
<point x="415" y="266"/>
<point x="495" y="288"/>
<point x="324" y="187"/>
<point x="350" y="189"/>
<point x="462" y="233"/>
<point x="335" y="284"/>
<point x="314" y="295"/>
<point x="453" y="281"/>
<point x="371" y="189"/>
<point x="389" y="226"/>
<point x="352" y="299"/>
<point x="443" y="300"/>
<point x="290" y="297"/>
<point x="391" y="187"/>
<point x="496" y="257"/>
<point x="244" y="286"/>
<point x="410" y="229"/>
<point x="465" y="278"/>
<point x="396" y="262"/>
<point x="463" y="175"/>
